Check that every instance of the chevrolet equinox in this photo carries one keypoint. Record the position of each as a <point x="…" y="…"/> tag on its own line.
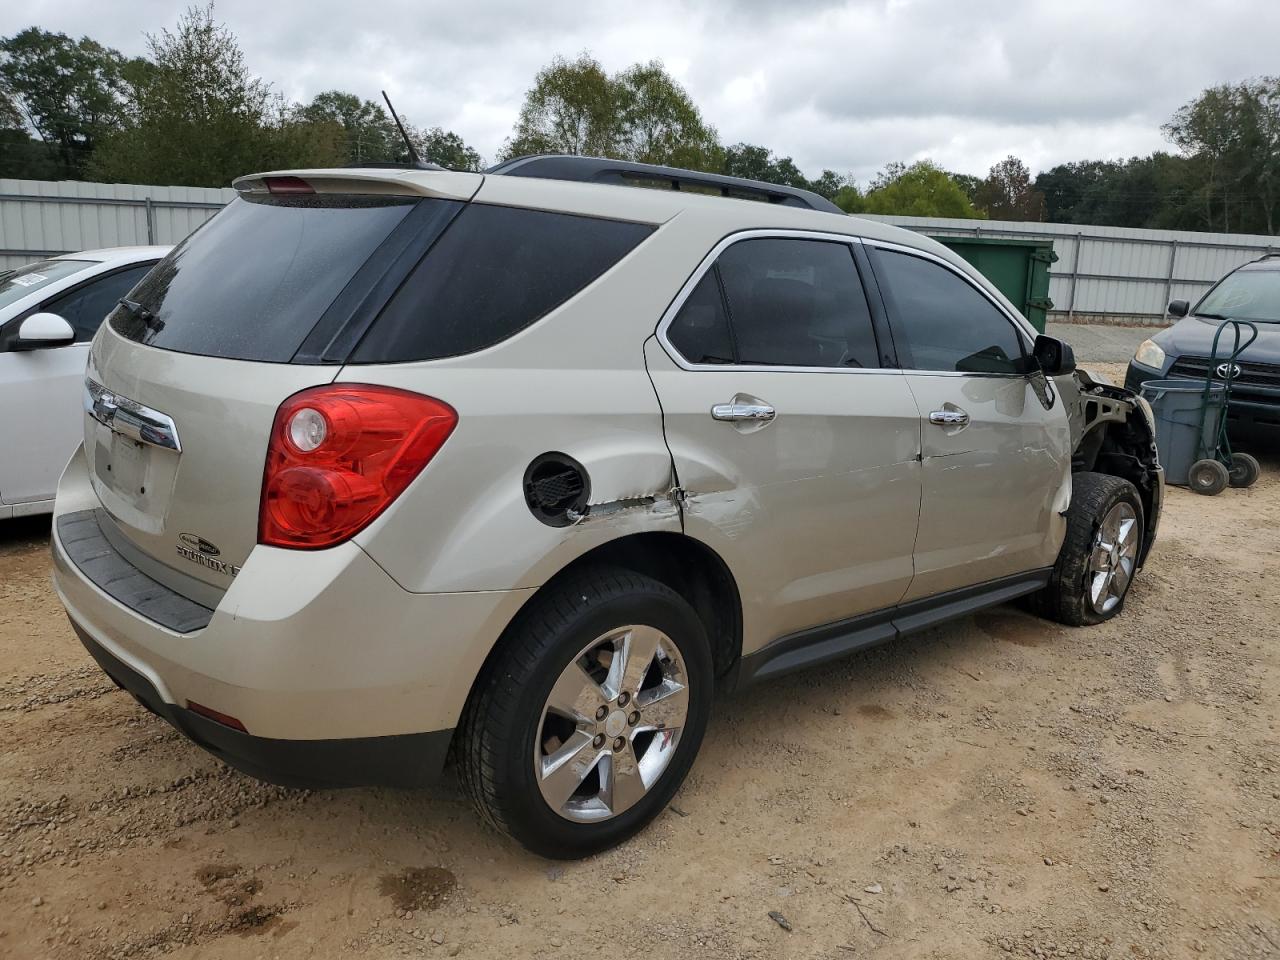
<point x="386" y="467"/>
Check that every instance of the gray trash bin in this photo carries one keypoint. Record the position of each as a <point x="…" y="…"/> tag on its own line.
<point x="1176" y="404"/>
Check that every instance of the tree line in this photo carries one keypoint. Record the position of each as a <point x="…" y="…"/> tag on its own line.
<point x="191" y="112"/>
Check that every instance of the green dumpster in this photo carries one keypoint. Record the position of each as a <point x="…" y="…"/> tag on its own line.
<point x="1017" y="268"/>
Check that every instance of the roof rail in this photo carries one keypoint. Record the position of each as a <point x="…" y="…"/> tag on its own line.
<point x="554" y="166"/>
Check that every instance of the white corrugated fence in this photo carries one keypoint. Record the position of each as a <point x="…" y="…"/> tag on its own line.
<point x="40" y="218"/>
<point x="1115" y="274"/>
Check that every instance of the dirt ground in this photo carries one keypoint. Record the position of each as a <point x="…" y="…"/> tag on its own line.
<point x="998" y="787"/>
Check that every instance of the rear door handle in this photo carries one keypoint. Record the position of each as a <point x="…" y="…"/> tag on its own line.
<point x="949" y="418"/>
<point x="738" y="412"/>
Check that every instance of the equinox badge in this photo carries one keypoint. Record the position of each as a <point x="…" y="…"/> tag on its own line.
<point x="201" y="551"/>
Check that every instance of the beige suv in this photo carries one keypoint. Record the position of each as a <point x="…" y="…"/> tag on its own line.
<point x="386" y="467"/>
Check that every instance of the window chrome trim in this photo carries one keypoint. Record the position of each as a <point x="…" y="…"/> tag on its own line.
<point x="1020" y="324"/>
<point x="776" y="233"/>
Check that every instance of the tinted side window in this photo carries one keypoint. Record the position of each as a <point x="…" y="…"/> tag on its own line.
<point x="86" y="307"/>
<point x="700" y="330"/>
<point x="495" y="271"/>
<point x="945" y="322"/>
<point x="797" y="303"/>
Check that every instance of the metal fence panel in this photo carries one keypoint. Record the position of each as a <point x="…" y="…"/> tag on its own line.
<point x="1115" y="274"/>
<point x="40" y="218"/>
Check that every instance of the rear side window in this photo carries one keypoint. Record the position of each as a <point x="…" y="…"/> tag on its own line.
<point x="252" y="282"/>
<point x="87" y="306"/>
<point x="941" y="322"/>
<point x="700" y="330"/>
<point x="495" y="271"/>
<point x="785" y="303"/>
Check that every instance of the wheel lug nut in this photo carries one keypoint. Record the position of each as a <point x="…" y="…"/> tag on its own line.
<point x="624" y="699"/>
<point x="602" y="713"/>
<point x="634" y="718"/>
<point x="619" y="743"/>
<point x="598" y="742"/>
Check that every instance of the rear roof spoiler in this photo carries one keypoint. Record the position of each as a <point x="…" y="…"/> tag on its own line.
<point x="393" y="180"/>
<point x="552" y="166"/>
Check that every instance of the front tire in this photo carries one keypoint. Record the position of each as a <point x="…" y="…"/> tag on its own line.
<point x="588" y="716"/>
<point x="1099" y="555"/>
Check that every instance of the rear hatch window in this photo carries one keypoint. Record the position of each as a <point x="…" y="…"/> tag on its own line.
<point x="334" y="279"/>
<point x="252" y="282"/>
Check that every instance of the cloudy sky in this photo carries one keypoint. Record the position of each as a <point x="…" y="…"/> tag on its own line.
<point x="845" y="84"/>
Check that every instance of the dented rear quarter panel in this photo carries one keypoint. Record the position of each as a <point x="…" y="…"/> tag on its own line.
<point x="463" y="524"/>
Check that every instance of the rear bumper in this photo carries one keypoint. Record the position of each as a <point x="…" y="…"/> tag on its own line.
<point x="406" y="760"/>
<point x="337" y="674"/>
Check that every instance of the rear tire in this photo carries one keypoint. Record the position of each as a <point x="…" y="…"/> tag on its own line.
<point x="567" y="709"/>
<point x="1244" y="470"/>
<point x="1208" y="477"/>
<point x="1099" y="555"/>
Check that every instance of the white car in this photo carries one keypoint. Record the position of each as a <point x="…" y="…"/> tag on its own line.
<point x="49" y="311"/>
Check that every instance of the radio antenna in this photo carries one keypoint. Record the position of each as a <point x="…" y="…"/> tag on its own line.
<point x="413" y="154"/>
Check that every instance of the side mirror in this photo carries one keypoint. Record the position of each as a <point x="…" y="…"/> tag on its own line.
<point x="42" y="330"/>
<point x="1179" y="308"/>
<point x="1054" y="357"/>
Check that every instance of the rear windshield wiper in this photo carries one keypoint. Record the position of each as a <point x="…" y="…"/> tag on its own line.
<point x="148" y="318"/>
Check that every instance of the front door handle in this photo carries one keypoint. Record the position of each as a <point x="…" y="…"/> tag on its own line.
<point x="949" y="418"/>
<point x="737" y="412"/>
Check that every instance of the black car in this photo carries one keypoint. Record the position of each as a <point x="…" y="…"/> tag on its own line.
<point x="1250" y="292"/>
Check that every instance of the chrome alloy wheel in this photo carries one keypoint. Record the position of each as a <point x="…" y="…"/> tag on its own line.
<point x="1113" y="557"/>
<point x="611" y="724"/>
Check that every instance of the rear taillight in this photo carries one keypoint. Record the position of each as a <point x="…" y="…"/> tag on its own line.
<point x="339" y="455"/>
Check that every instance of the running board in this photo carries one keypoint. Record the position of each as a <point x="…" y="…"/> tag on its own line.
<point x="831" y="641"/>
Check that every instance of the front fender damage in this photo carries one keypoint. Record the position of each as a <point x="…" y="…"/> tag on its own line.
<point x="1113" y="432"/>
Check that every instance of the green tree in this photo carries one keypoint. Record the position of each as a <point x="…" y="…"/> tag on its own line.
<point x="830" y="184"/>
<point x="200" y="118"/>
<point x="755" y="162"/>
<point x="367" y="134"/>
<point x="1233" y="130"/>
<point x="445" y="148"/>
<point x="20" y="155"/>
<point x="571" y="108"/>
<point x="850" y="199"/>
<point x="920" y="190"/>
<point x="968" y="183"/>
<point x="641" y="113"/>
<point x="70" y="92"/>
<point x="658" y="122"/>
<point x="760" y="163"/>
<point x="1007" y="193"/>
<point x="1159" y="191"/>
